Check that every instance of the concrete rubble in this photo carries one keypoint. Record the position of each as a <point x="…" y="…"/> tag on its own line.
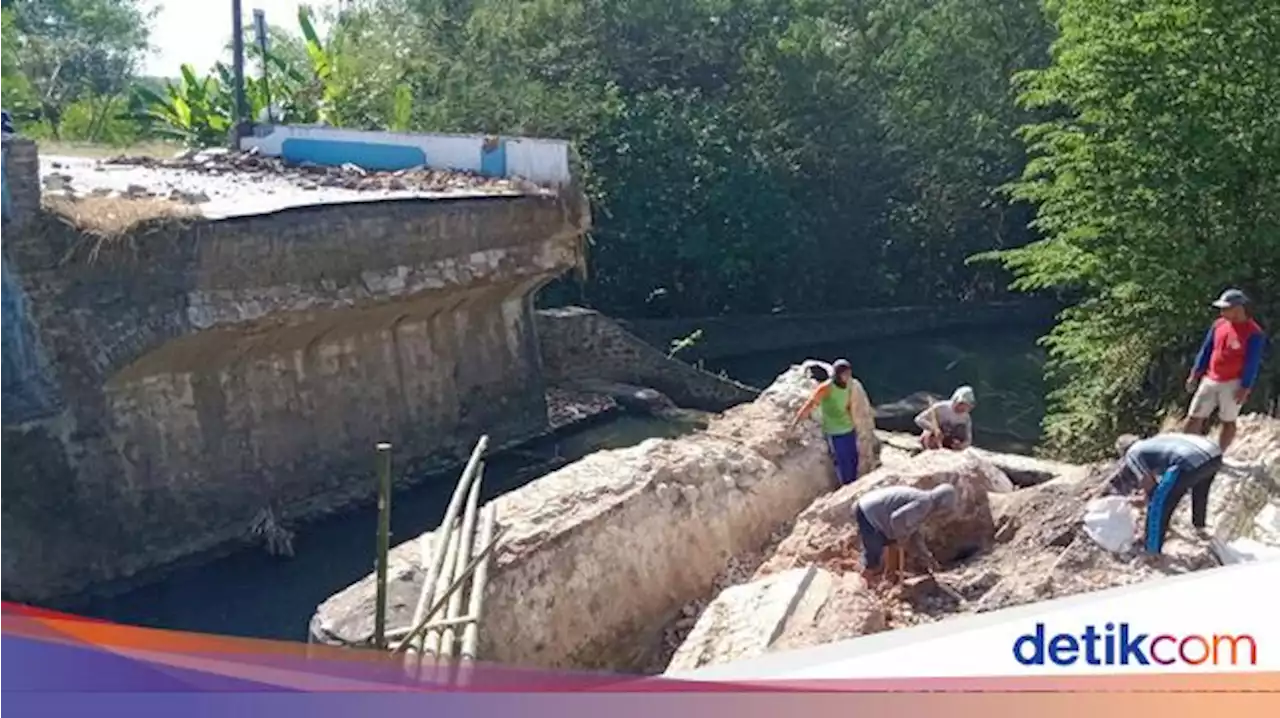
<point x="219" y="183"/>
<point x="735" y="541"/>
<point x="1014" y="547"/>
<point x="601" y="555"/>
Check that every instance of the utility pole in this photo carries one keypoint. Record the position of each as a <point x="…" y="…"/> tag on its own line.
<point x="260" y="27"/>
<point x="237" y="48"/>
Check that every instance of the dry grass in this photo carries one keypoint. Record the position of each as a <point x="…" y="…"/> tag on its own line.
<point x="110" y="217"/>
<point x="79" y="149"/>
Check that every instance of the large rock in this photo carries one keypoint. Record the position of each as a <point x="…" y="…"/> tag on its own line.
<point x="792" y="609"/>
<point x="825" y="532"/>
<point x="601" y="555"/>
<point x="1039" y="551"/>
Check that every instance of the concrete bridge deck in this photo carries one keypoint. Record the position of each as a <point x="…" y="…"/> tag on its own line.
<point x="173" y="382"/>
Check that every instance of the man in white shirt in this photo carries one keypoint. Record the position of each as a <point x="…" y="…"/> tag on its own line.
<point x="948" y="424"/>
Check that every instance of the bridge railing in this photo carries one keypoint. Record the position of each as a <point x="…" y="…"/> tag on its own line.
<point x="542" y="161"/>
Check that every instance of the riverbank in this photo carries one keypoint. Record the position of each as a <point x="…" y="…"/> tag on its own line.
<point x="247" y="592"/>
<point x="603" y="557"/>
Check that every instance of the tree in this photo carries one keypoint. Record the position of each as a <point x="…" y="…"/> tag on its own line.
<point x="19" y="96"/>
<point x="75" y="49"/>
<point x="1157" y="184"/>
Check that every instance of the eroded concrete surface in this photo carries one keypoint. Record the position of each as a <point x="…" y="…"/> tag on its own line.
<point x="212" y="371"/>
<point x="219" y="184"/>
<point x="735" y="541"/>
<point x="601" y="555"/>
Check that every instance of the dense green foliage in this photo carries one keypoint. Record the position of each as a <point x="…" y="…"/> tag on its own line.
<point x="790" y="155"/>
<point x="1157" y="185"/>
<point x="742" y="155"/>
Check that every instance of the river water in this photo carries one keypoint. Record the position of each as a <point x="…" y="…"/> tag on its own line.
<point x="250" y="593"/>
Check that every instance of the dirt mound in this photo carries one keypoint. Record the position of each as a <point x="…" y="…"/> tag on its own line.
<point x="826" y="534"/>
<point x="1031" y="547"/>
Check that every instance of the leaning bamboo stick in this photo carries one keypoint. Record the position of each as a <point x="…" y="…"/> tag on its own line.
<point x="394" y="634"/>
<point x="427" y="596"/>
<point x="449" y="635"/>
<point x="429" y="643"/>
<point x="471" y="634"/>
<point x="442" y="600"/>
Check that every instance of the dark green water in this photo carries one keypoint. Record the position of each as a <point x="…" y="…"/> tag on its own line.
<point x="250" y="593"/>
<point x="1004" y="366"/>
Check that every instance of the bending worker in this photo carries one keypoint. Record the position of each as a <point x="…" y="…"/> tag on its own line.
<point x="948" y="424"/>
<point x="1166" y="467"/>
<point x="835" y="398"/>
<point x="891" y="516"/>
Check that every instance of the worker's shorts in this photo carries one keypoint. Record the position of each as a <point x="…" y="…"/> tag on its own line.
<point x="873" y="542"/>
<point x="1220" y="395"/>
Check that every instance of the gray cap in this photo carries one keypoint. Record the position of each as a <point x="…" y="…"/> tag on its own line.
<point x="944" y="496"/>
<point x="964" y="395"/>
<point x="1231" y="298"/>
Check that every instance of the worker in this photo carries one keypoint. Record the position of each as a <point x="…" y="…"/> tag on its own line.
<point x="1226" y="367"/>
<point x="890" y="517"/>
<point x="948" y="424"/>
<point x="1163" y="469"/>
<point x="834" y="397"/>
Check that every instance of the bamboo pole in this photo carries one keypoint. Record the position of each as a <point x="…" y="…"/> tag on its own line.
<point x="395" y="634"/>
<point x="427" y="596"/>
<point x="471" y="633"/>
<point x="466" y="539"/>
<point x="441" y="601"/>
<point x="429" y="642"/>
<point x="384" y="541"/>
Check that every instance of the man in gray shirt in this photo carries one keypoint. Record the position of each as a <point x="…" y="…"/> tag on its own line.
<point x="1166" y="467"/>
<point x="891" y="516"/>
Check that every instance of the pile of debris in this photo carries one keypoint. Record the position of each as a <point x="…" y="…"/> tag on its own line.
<point x="253" y="165"/>
<point x="1004" y="546"/>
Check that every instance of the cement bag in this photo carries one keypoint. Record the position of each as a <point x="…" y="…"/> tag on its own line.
<point x="1111" y="522"/>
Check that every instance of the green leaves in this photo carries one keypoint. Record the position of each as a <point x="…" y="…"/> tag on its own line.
<point x="1148" y="199"/>
<point x="197" y="111"/>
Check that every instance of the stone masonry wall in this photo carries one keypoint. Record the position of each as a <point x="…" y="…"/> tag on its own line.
<point x="212" y="369"/>
<point x="741" y="335"/>
<point x="581" y="344"/>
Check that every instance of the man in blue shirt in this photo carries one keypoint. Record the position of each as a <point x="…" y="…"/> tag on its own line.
<point x="1166" y="467"/>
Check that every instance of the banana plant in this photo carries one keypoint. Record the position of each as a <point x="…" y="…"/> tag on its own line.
<point x="195" y="111"/>
<point x="322" y="65"/>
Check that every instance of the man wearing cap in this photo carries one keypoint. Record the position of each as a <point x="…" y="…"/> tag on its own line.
<point x="948" y="424"/>
<point x="1165" y="467"/>
<point x="1226" y="368"/>
<point x="891" y="516"/>
<point x="834" y="398"/>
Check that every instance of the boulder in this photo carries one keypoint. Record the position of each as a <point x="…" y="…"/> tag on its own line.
<point x="825" y="532"/>
<point x="601" y="555"/>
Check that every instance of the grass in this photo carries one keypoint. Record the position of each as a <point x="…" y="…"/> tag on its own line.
<point x="110" y="218"/>
<point x="154" y="148"/>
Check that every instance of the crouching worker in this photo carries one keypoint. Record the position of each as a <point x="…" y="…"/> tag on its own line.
<point x="1165" y="468"/>
<point x="892" y="516"/>
<point x="948" y="424"/>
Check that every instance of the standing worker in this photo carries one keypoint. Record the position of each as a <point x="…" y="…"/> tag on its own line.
<point x="1166" y="467"/>
<point x="948" y="424"/>
<point x="1226" y="368"/>
<point x="835" y="399"/>
<point x="891" y="516"/>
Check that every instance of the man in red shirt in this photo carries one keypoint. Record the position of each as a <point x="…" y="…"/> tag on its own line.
<point x="1226" y="367"/>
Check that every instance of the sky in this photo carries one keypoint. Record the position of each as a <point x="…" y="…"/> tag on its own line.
<point x="195" y="31"/>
